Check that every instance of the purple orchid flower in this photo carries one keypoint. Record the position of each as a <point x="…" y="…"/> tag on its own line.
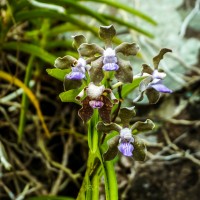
<point x="125" y="142"/>
<point x="157" y="84"/>
<point x="78" y="71"/>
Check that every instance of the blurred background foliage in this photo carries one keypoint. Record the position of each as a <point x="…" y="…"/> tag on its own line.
<point x="43" y="147"/>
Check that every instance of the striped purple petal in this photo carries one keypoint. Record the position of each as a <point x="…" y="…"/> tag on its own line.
<point x="126" y="148"/>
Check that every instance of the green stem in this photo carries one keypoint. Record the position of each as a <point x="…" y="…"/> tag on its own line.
<point x="25" y="101"/>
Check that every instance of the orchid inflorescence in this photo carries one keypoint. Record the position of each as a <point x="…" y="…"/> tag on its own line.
<point x="92" y="72"/>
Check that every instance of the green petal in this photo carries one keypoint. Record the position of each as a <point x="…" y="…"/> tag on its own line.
<point x="159" y="57"/>
<point x="143" y="126"/>
<point x="107" y="33"/>
<point x="128" y="49"/>
<point x="125" y="72"/>
<point x="90" y="50"/>
<point x="106" y="128"/>
<point x="71" y="84"/>
<point x="147" y="69"/>
<point x="65" y="62"/>
<point x="96" y="72"/>
<point x="152" y="95"/>
<point x="112" y="151"/>
<point x="126" y="115"/>
<point x="78" y="40"/>
<point x="139" y="152"/>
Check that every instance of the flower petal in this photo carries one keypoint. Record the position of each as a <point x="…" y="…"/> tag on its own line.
<point x="143" y="126"/>
<point x="127" y="49"/>
<point x="126" y="114"/>
<point x="125" y="72"/>
<point x="126" y="148"/>
<point x="161" y="88"/>
<point x="96" y="72"/>
<point x="112" y="148"/>
<point x="71" y="84"/>
<point x="105" y="110"/>
<point x="152" y="95"/>
<point x="110" y="67"/>
<point x="96" y="104"/>
<point x="90" y="50"/>
<point x="106" y="128"/>
<point x="78" y="40"/>
<point x="107" y="33"/>
<point x="147" y="69"/>
<point x="159" y="57"/>
<point x="75" y="76"/>
<point x="86" y="111"/>
<point x="65" y="62"/>
<point x="139" y="152"/>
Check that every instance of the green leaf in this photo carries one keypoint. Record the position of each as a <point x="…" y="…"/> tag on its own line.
<point x="70" y="96"/>
<point x="78" y="7"/>
<point x="126" y="8"/>
<point x="92" y="132"/>
<point x="30" y="49"/>
<point x="50" y="198"/>
<point x="128" y="88"/>
<point x="129" y="25"/>
<point x="58" y="73"/>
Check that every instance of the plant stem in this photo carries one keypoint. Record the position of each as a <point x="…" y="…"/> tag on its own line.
<point x="25" y="101"/>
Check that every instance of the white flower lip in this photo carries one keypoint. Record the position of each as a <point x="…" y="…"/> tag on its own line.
<point x="93" y="91"/>
<point x="126" y="133"/>
<point x="109" y="52"/>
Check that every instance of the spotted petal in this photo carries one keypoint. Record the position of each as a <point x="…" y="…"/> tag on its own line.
<point x="65" y="62"/>
<point x="106" y="128"/>
<point x="125" y="72"/>
<point x="86" y="111"/>
<point x="147" y="69"/>
<point x="159" y="57"/>
<point x="139" y="152"/>
<point x="90" y="50"/>
<point x="143" y="126"/>
<point x="127" y="49"/>
<point x="152" y="95"/>
<point x="105" y="110"/>
<point x="78" y="40"/>
<point x="96" y="72"/>
<point x="107" y="33"/>
<point x="71" y="84"/>
<point x="126" y="115"/>
<point x="112" y="151"/>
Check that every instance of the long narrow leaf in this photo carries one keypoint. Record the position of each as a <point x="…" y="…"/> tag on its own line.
<point x="129" y="25"/>
<point x="126" y="8"/>
<point x="81" y="8"/>
<point x="30" y="49"/>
